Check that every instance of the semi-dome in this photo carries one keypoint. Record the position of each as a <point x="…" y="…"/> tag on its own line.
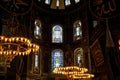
<point x="59" y="4"/>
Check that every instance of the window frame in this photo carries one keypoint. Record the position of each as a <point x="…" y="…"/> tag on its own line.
<point x="37" y="29"/>
<point x="79" y="51"/>
<point x="77" y="35"/>
<point x="60" y="57"/>
<point x="55" y="37"/>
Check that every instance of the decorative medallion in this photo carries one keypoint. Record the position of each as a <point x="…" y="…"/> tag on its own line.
<point x="104" y="8"/>
<point x="18" y="7"/>
<point x="98" y="57"/>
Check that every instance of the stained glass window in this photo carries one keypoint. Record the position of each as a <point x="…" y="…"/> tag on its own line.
<point x="36" y="60"/>
<point x="57" y="34"/>
<point x="57" y="58"/>
<point x="77" y="30"/>
<point x="47" y="1"/>
<point x="67" y="2"/>
<point x="37" y="29"/>
<point x="78" y="57"/>
<point x="57" y="3"/>
<point x="36" y="67"/>
<point x="76" y="1"/>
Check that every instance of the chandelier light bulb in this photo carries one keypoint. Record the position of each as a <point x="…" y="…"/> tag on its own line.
<point x="13" y="46"/>
<point x="74" y="72"/>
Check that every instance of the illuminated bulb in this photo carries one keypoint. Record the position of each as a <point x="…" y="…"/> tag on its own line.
<point x="33" y="50"/>
<point x="23" y="53"/>
<point x="19" y="53"/>
<point x="25" y="39"/>
<point x="4" y="52"/>
<point x="17" y="39"/>
<point x="36" y="50"/>
<point x="16" y="53"/>
<point x="28" y="41"/>
<point x="13" y="39"/>
<point x="30" y="45"/>
<point x="9" y="52"/>
<point x="21" y="39"/>
<point x="26" y="53"/>
<point x="10" y="40"/>
<point x="2" y="37"/>
<point x="6" y="39"/>
<point x="119" y="42"/>
<point x="92" y="75"/>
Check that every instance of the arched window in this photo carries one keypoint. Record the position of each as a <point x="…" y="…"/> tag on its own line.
<point x="36" y="59"/>
<point x="57" y="34"/>
<point x="67" y="2"/>
<point x="78" y="57"/>
<point x="95" y="23"/>
<point x="57" y="58"/>
<point x="37" y="29"/>
<point x="77" y="30"/>
<point x="76" y="1"/>
<point x="47" y="1"/>
<point x="57" y="3"/>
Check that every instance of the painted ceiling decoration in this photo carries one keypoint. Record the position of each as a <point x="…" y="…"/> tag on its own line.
<point x="17" y="7"/>
<point x="99" y="8"/>
<point x="21" y="7"/>
<point x="104" y="8"/>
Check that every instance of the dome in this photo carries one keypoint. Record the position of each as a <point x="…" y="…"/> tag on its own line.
<point x="58" y="4"/>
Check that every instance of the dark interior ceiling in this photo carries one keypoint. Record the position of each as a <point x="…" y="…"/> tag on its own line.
<point x="14" y="5"/>
<point x="66" y="10"/>
<point x="71" y="5"/>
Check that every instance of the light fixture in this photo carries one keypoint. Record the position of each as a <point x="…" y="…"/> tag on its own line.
<point x="12" y="44"/>
<point x="73" y="72"/>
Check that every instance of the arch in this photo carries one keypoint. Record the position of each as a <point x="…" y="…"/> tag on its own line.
<point x="47" y="1"/>
<point x="78" y="57"/>
<point x="67" y="2"/>
<point x="76" y="1"/>
<point x="57" y="58"/>
<point x="36" y="59"/>
<point x="37" y="29"/>
<point x="77" y="30"/>
<point x="57" y="32"/>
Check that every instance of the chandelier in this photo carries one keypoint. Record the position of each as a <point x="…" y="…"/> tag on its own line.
<point x="73" y="72"/>
<point x="12" y="45"/>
